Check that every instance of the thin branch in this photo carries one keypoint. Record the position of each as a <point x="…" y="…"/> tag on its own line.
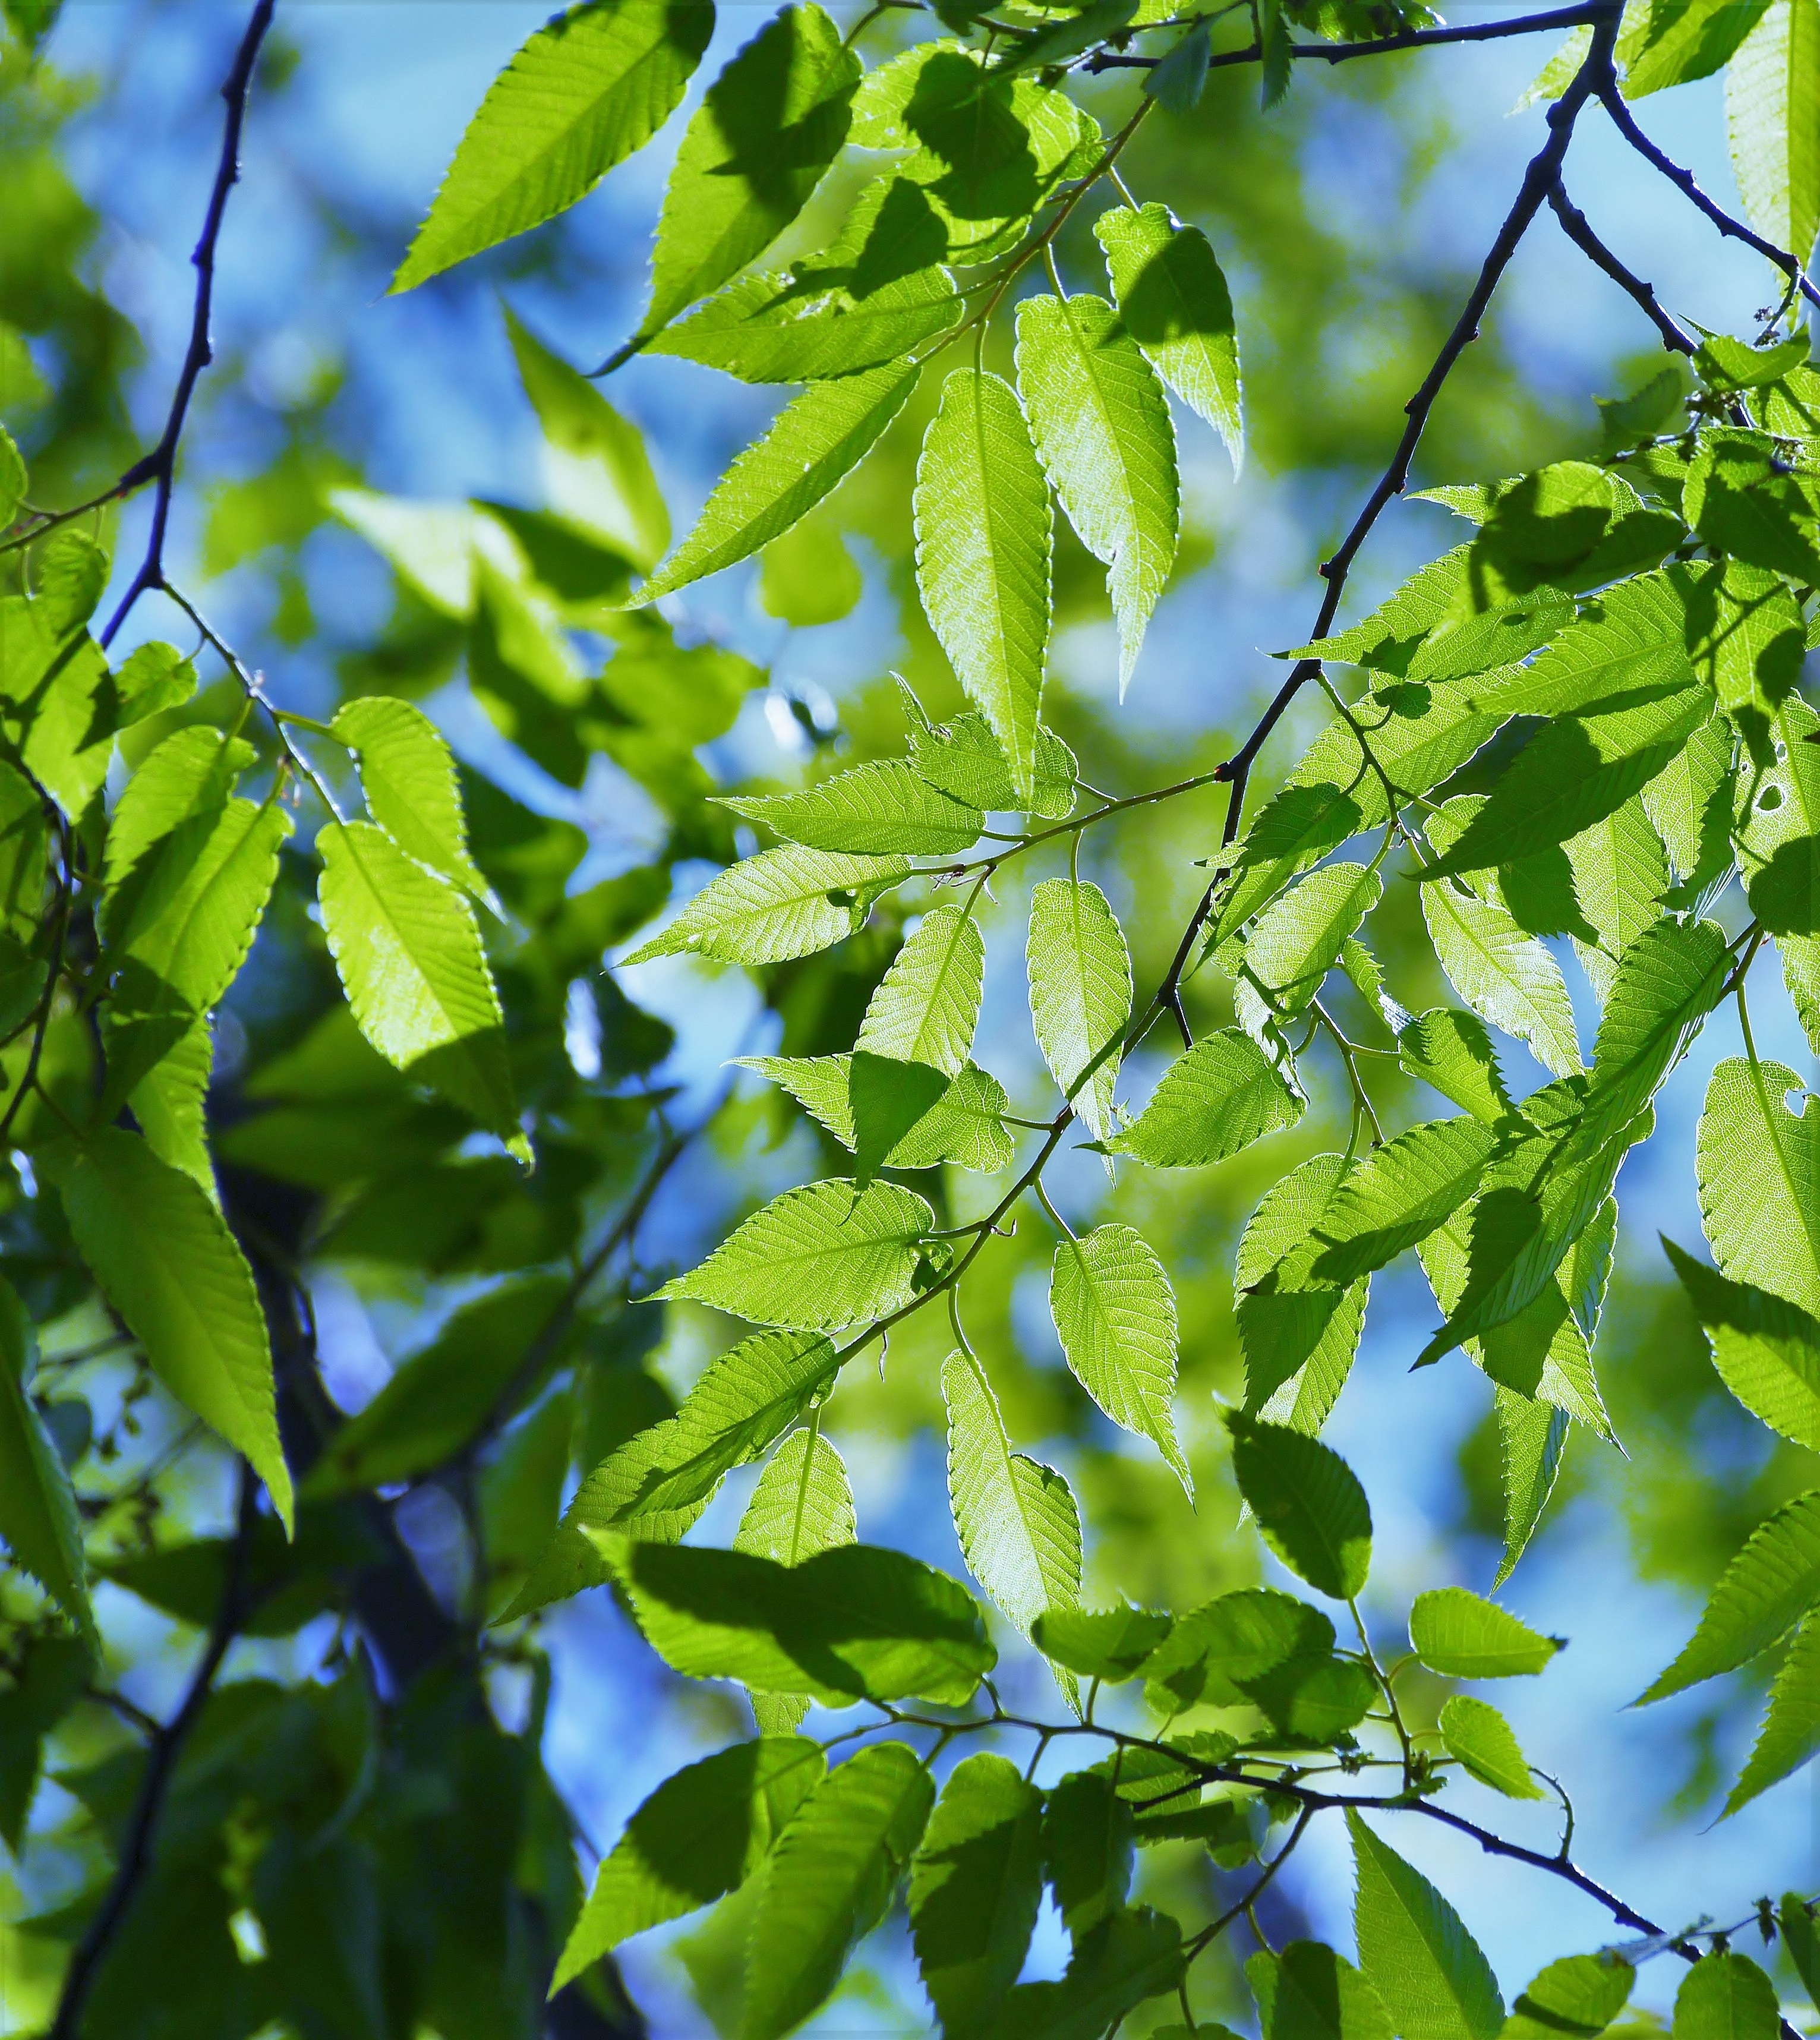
<point x="1576" y="226"/>
<point x="1410" y="39"/>
<point x="166" y="1745"/>
<point x="159" y="466"/>
<point x="1613" y="100"/>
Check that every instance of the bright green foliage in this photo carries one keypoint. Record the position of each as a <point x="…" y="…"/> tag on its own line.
<point x="782" y="903"/>
<point x="1309" y="1505"/>
<point x="37" y="1509"/>
<point x="589" y="88"/>
<point x="808" y="577"/>
<point x="1081" y="993"/>
<point x="984" y="536"/>
<point x="927" y="1003"/>
<point x="1103" y="429"/>
<point x="1759" y="1188"/>
<point x="1771" y="93"/>
<point x="854" y="1622"/>
<point x="772" y="123"/>
<point x="1397" y="1196"/>
<point x="169" y="1266"/>
<point x="1578" y="1996"/>
<point x="1114" y="1313"/>
<point x="1088" y="1838"/>
<point x="1478" y="1735"/>
<point x="1297" y="939"/>
<point x="1017" y="1523"/>
<point x="1508" y="978"/>
<point x="976" y="1884"/>
<point x="1299" y="1341"/>
<point x="1223" y="1095"/>
<point x="1795" y="1917"/>
<point x="1110" y="1644"/>
<point x="1764" y="1590"/>
<point x="835" y="1867"/>
<point x="803" y="1503"/>
<point x="410" y="955"/>
<point x="1174" y="304"/>
<point x="1725" y="1997"/>
<point x="1790" y="1736"/>
<point x="1413" y="1946"/>
<point x="879" y="810"/>
<point x="409" y="779"/>
<point x="812" y="445"/>
<point x="1456" y="1633"/>
<point x="1767" y="1350"/>
<point x="700" y="1835"/>
<point x="1307" y="1992"/>
<point x="819" y="1258"/>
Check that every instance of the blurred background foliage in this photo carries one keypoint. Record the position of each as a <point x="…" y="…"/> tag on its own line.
<point x="1350" y="219"/>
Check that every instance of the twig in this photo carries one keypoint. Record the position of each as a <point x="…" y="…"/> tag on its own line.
<point x="166" y="1745"/>
<point x="1410" y="38"/>
<point x="1574" y="225"/>
<point x="1613" y="100"/>
<point x="1214" y="1928"/>
<point x="159" y="466"/>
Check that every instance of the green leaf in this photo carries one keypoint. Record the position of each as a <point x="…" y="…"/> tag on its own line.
<point x="984" y="534"/>
<point x="1268" y="1649"/>
<point x="1297" y="939"/>
<point x="1672" y="41"/>
<point x="1114" y="1313"/>
<point x="1133" y="1955"/>
<point x="1079" y="972"/>
<point x="1767" y="1588"/>
<point x="1744" y="627"/>
<point x="1294" y="829"/>
<point x="1478" y="1735"/>
<point x="656" y="1483"/>
<point x="817" y="1257"/>
<point x="1758" y="1168"/>
<point x="883" y="809"/>
<point x="168" y="1264"/>
<point x="928" y="1004"/>
<point x="1103" y="429"/>
<point x="595" y="470"/>
<point x="1174" y="304"/>
<point x="1771" y="101"/>
<point x="1461" y="1636"/>
<point x="803" y="1503"/>
<point x="1299" y="1344"/>
<point x="1688" y="804"/>
<point x="831" y="1878"/>
<point x="1218" y="1098"/>
<point x="856" y="1622"/>
<point x="1531" y="1436"/>
<point x="760" y="144"/>
<point x="1421" y="734"/>
<point x="1574" y="772"/>
<point x="1413" y="1946"/>
<point x="170" y="1103"/>
<point x="1790" y="1736"/>
<point x="1627" y="641"/>
<point x="1574" y="1999"/>
<point x="1725" y="1997"/>
<point x="965" y="1125"/>
<point x="1100" y="1643"/>
<point x="409" y="779"/>
<point x="963" y="758"/>
<point x="1088" y="1842"/>
<point x="1620" y="872"/>
<point x="55" y="704"/>
<point x="1766" y="1349"/>
<point x="1507" y="977"/>
<point x="976" y="1884"/>
<point x="588" y="89"/>
<point x="810" y="446"/>
<point x="1397" y="1196"/>
<point x="779" y="905"/>
<point x="13" y="477"/>
<point x="699" y="1835"/>
<point x="1453" y="1051"/>
<point x="38" y="1516"/>
<point x="1311" y="1509"/>
<point x="1017" y="1521"/>
<point x="1313" y="1994"/>
<point x="409" y="957"/>
<point x="1795" y="1916"/>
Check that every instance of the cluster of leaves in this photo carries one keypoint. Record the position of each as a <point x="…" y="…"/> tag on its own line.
<point x="1583" y="722"/>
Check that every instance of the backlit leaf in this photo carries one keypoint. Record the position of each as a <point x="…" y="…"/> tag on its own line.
<point x="780" y="904"/>
<point x="1484" y="1742"/>
<point x="1079" y="972"/>
<point x="1790" y="1736"/>
<point x="1461" y="1636"/>
<point x="1726" y="1996"/>
<point x="1772" y="119"/>
<point x="976" y="1884"/>
<point x="1114" y="1312"/>
<point x="409" y="778"/>
<point x="1216" y="1099"/>
<point x="1414" y="1947"/>
<point x="1311" y="1509"/>
<point x="1767" y="1349"/>
<point x="881" y="809"/>
<point x="38" y="1516"/>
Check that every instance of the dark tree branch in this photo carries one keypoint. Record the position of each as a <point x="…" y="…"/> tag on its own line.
<point x="159" y="466"/>
<point x="1734" y="229"/>
<point x="165" y="1746"/>
<point x="1410" y="39"/>
<point x="1574" y="225"/>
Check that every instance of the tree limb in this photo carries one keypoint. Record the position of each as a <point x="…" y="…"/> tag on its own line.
<point x="1576" y="226"/>
<point x="1410" y="38"/>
